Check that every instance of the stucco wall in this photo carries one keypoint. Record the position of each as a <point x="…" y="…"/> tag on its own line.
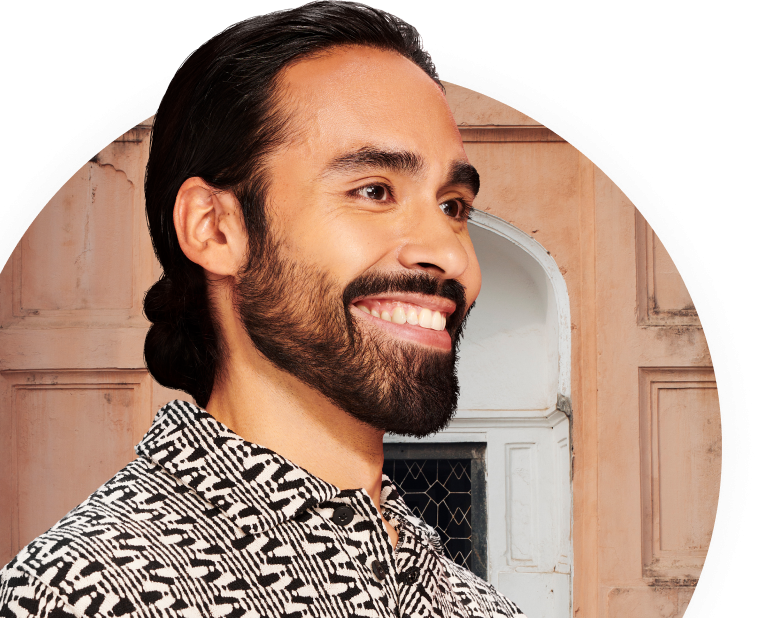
<point x="645" y="433"/>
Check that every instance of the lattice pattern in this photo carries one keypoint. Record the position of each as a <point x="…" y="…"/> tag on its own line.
<point x="439" y="492"/>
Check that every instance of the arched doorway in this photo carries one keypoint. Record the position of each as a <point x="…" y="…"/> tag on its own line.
<point x="514" y="373"/>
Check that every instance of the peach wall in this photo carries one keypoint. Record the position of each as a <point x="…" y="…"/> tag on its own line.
<point x="646" y="434"/>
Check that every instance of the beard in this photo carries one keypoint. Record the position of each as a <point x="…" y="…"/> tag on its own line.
<point x="300" y="319"/>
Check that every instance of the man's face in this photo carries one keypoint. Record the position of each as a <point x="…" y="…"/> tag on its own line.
<point x="368" y="272"/>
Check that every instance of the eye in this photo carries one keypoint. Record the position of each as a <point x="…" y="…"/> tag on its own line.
<point x="374" y="192"/>
<point x="457" y="209"/>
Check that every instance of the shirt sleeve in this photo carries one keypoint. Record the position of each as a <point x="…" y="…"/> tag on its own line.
<point x="22" y="596"/>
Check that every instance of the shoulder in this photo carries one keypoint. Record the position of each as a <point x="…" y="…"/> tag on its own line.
<point x="481" y="598"/>
<point x="93" y="561"/>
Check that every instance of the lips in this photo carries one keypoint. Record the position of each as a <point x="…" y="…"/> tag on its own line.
<point x="414" y="317"/>
<point x="398" y="312"/>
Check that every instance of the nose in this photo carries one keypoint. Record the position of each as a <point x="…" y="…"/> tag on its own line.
<point x="434" y="244"/>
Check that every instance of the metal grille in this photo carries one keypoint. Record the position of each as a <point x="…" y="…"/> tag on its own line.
<point x="445" y="485"/>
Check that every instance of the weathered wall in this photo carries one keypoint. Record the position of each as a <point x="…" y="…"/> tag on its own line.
<point x="646" y="434"/>
<point x="75" y="396"/>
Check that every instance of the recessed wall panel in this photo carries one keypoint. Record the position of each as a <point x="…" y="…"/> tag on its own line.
<point x="669" y="291"/>
<point x="663" y="298"/>
<point x="71" y="432"/>
<point x="69" y="441"/>
<point x="521" y="491"/>
<point x="681" y="461"/>
<point x="688" y="459"/>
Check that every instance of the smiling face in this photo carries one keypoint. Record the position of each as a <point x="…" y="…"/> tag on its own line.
<point x="368" y="271"/>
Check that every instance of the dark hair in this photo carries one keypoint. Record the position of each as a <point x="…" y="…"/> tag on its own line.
<point x="218" y="120"/>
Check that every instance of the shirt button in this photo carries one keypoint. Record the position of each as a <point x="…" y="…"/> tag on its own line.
<point x="410" y="576"/>
<point x="343" y="515"/>
<point x="379" y="569"/>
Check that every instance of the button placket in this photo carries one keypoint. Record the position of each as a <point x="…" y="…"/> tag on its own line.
<point x="380" y="555"/>
<point x="346" y="518"/>
<point x="380" y="570"/>
<point x="352" y="509"/>
<point x="411" y="553"/>
<point x="343" y="515"/>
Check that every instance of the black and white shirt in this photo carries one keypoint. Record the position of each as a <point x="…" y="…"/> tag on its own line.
<point x="205" y="524"/>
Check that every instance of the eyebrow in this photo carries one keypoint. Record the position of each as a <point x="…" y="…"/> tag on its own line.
<point x="400" y="161"/>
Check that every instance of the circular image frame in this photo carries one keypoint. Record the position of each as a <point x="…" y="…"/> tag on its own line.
<point x="494" y="79"/>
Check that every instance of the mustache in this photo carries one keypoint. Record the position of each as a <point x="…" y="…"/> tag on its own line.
<point x="370" y="284"/>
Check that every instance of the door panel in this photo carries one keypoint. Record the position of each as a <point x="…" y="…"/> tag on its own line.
<point x="75" y="396"/>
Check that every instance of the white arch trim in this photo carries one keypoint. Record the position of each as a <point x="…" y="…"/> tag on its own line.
<point x="558" y="285"/>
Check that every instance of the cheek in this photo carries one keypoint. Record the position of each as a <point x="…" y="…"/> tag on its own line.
<point x="342" y="249"/>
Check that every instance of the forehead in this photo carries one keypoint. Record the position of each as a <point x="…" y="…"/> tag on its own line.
<point x="350" y="97"/>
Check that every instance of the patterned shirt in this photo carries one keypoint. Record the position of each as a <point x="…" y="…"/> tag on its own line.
<point x="205" y="524"/>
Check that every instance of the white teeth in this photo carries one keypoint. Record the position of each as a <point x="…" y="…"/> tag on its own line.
<point x="424" y="318"/>
<point x="437" y="321"/>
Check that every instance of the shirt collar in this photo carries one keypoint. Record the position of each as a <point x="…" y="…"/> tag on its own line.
<point x="254" y="486"/>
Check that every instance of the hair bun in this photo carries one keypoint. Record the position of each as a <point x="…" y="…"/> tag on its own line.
<point x="160" y="304"/>
<point x="177" y="350"/>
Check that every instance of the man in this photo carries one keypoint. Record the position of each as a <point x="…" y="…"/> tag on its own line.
<point x="307" y="194"/>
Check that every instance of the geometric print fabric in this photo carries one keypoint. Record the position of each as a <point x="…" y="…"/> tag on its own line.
<point x="203" y="524"/>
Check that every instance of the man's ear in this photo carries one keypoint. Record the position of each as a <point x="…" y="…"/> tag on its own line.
<point x="210" y="227"/>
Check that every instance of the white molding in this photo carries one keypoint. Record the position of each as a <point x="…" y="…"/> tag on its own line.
<point x="443" y="436"/>
<point x="558" y="284"/>
<point x="473" y="425"/>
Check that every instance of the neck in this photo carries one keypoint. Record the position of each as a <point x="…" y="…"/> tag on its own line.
<point x="270" y="407"/>
<point x="266" y="406"/>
